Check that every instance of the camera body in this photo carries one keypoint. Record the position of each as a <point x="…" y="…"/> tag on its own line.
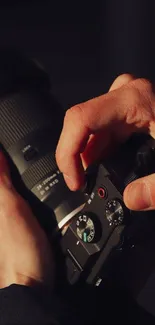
<point x="106" y="241"/>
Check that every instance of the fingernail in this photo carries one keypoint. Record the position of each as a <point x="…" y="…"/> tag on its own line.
<point x="138" y="196"/>
<point x="70" y="183"/>
<point x="5" y="180"/>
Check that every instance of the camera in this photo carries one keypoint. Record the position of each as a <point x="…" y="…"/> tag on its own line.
<point x="101" y="240"/>
<point x="106" y="242"/>
<point x="30" y="124"/>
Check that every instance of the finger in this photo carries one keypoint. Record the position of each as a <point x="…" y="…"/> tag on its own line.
<point x="140" y="194"/>
<point x="119" y="112"/>
<point x="94" y="150"/>
<point x="121" y="81"/>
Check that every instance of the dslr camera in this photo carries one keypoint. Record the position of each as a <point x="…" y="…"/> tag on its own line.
<point x="102" y="241"/>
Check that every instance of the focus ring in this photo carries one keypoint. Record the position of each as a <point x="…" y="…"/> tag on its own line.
<point x="21" y="114"/>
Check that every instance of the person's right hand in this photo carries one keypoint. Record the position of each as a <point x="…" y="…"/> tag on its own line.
<point x="90" y="129"/>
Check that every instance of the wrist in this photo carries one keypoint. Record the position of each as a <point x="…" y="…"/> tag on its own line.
<point x="19" y="279"/>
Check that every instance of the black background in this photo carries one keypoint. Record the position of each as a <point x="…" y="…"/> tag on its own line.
<point x="84" y="45"/>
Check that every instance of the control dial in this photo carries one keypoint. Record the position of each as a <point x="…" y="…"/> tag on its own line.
<point x="114" y="212"/>
<point x="87" y="228"/>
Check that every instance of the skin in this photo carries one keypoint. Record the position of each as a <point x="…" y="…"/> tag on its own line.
<point x="25" y="254"/>
<point x="93" y="128"/>
<point x="88" y="133"/>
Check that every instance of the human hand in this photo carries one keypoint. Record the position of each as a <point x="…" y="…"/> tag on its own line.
<point x="92" y="128"/>
<point x="25" y="254"/>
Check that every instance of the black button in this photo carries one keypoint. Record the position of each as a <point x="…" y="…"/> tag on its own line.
<point x="30" y="153"/>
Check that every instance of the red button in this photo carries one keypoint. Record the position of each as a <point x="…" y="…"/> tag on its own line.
<point x="101" y="192"/>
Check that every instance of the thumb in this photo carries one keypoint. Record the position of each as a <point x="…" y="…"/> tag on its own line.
<point x="10" y="200"/>
<point x="140" y="194"/>
<point x="26" y="256"/>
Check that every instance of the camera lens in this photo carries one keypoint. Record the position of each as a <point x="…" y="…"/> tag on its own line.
<point x="30" y="126"/>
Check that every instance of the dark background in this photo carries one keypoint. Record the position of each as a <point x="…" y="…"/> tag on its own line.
<point x="84" y="45"/>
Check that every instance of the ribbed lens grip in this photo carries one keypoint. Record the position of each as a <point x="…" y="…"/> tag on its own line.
<point x="34" y="119"/>
<point x="23" y="113"/>
<point x="39" y="170"/>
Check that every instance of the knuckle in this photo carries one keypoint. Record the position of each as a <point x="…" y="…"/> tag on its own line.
<point x="125" y="76"/>
<point x="144" y="86"/>
<point x="82" y="114"/>
<point x="140" y="111"/>
<point x="74" y="113"/>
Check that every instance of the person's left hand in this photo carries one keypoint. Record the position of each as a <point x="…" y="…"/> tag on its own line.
<point x="25" y="253"/>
